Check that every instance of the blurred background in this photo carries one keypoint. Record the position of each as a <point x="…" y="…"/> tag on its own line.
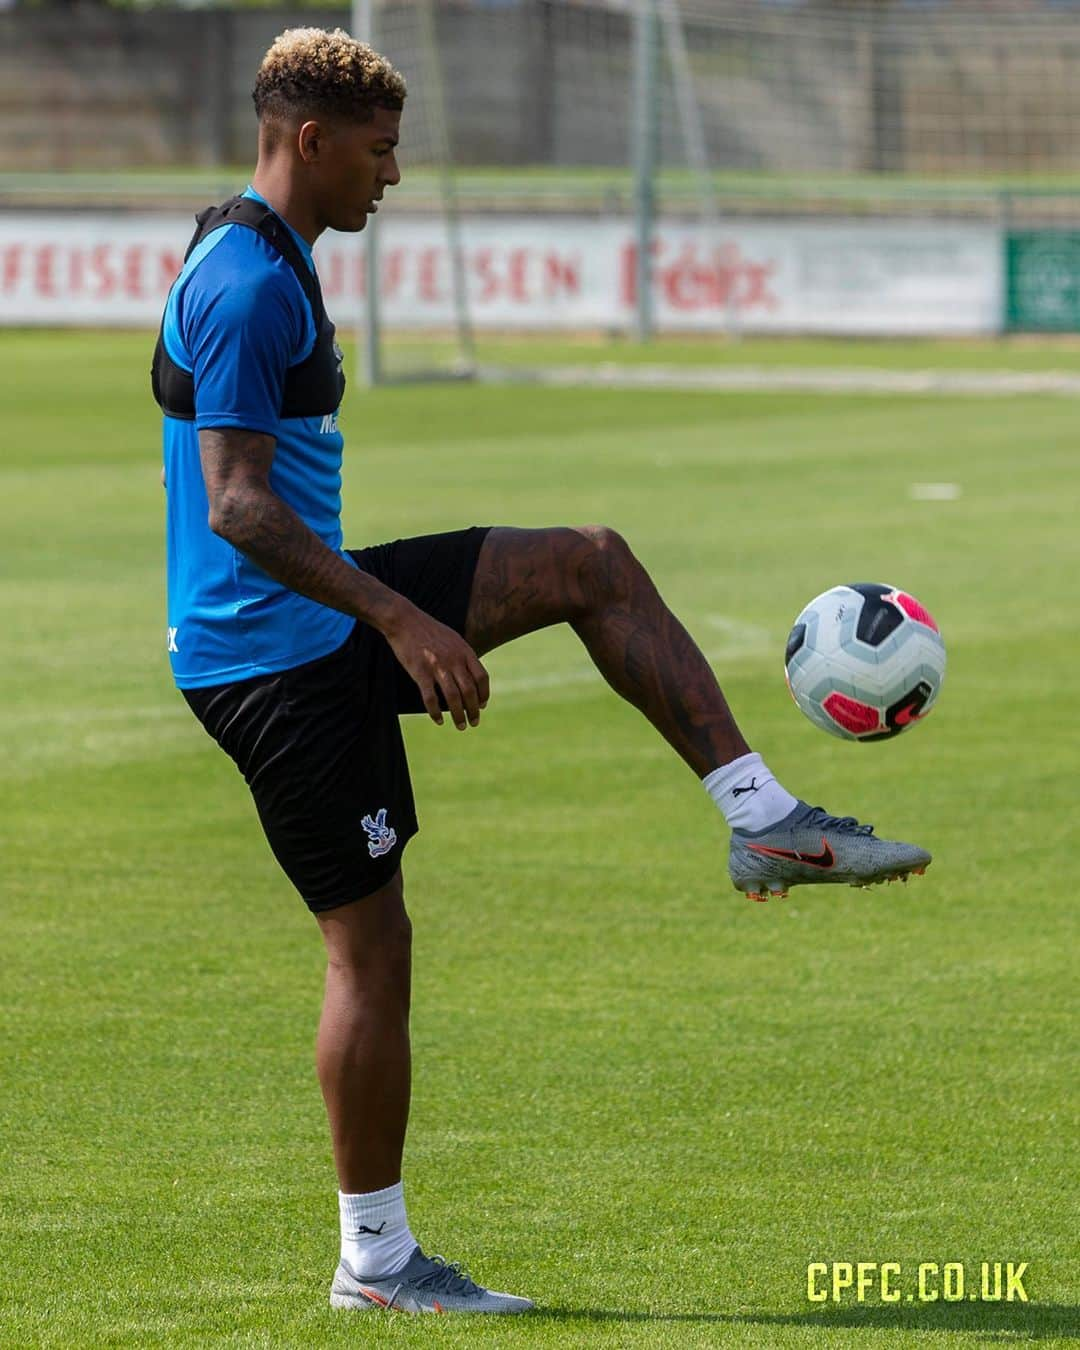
<point x="900" y="168"/>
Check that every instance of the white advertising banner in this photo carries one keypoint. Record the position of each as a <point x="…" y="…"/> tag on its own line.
<point x="548" y="272"/>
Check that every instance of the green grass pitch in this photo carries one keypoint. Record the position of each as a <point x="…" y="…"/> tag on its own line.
<point x="638" y="1098"/>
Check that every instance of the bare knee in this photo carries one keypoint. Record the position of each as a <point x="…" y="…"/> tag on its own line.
<point x="607" y="569"/>
<point x="371" y="939"/>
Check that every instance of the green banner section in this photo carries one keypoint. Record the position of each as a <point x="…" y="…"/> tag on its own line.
<point x="1042" y="281"/>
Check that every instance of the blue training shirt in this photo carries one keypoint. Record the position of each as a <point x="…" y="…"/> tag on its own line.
<point x="237" y="320"/>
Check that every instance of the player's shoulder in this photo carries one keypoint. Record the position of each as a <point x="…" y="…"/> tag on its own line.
<point x="240" y="284"/>
<point x="237" y="261"/>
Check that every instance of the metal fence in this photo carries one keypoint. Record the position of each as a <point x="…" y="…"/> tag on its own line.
<point x="986" y="87"/>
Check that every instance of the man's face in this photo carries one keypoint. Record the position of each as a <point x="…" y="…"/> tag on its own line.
<point x="354" y="167"/>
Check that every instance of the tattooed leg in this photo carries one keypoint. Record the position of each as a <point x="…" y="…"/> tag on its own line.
<point x="589" y="578"/>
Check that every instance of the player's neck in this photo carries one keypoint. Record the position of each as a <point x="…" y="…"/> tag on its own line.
<point x="282" y="194"/>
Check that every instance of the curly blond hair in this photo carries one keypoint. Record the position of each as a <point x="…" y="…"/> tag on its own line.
<point x="310" y="71"/>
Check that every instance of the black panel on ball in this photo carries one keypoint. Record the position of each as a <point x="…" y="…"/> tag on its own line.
<point x="794" y="642"/>
<point x="877" y="618"/>
<point x="904" y="712"/>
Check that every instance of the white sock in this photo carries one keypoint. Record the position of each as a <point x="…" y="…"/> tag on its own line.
<point x="375" y="1234"/>
<point x="747" y="793"/>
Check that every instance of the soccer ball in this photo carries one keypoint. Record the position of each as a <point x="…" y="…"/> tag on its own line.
<point x="865" y="661"/>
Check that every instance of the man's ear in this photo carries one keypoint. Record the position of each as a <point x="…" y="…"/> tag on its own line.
<point x="309" y="142"/>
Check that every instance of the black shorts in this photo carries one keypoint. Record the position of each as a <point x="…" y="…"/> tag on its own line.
<point x="320" y="745"/>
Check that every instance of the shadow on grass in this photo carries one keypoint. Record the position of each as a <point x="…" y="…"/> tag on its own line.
<point x="990" y="1321"/>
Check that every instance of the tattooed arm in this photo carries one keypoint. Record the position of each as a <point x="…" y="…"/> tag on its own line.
<point x="246" y="511"/>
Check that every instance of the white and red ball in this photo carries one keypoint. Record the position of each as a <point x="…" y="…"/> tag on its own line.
<point x="865" y="661"/>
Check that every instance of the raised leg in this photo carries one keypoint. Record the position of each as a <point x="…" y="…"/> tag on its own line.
<point x="588" y="577"/>
<point x="362" y="1050"/>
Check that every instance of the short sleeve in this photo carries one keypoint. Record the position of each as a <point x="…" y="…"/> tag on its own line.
<point x="243" y="326"/>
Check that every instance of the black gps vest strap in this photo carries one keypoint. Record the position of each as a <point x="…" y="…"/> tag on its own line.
<point x="313" y="388"/>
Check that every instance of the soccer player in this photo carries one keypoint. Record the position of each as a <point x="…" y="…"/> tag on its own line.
<point x="299" y="656"/>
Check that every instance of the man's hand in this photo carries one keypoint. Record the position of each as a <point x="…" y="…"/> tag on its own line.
<point x="439" y="660"/>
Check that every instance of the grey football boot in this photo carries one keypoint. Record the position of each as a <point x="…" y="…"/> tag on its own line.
<point x="809" y="847"/>
<point x="425" y="1284"/>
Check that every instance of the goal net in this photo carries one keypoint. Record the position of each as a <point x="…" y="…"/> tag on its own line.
<point x="393" y="344"/>
<point x="707" y="120"/>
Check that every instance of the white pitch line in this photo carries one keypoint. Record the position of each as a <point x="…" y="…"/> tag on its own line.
<point x="750" y="641"/>
<point x="795" y="379"/>
<point x="934" y="492"/>
<point x="553" y="679"/>
<point x="739" y="631"/>
<point x="742" y="640"/>
<point x="75" y="717"/>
